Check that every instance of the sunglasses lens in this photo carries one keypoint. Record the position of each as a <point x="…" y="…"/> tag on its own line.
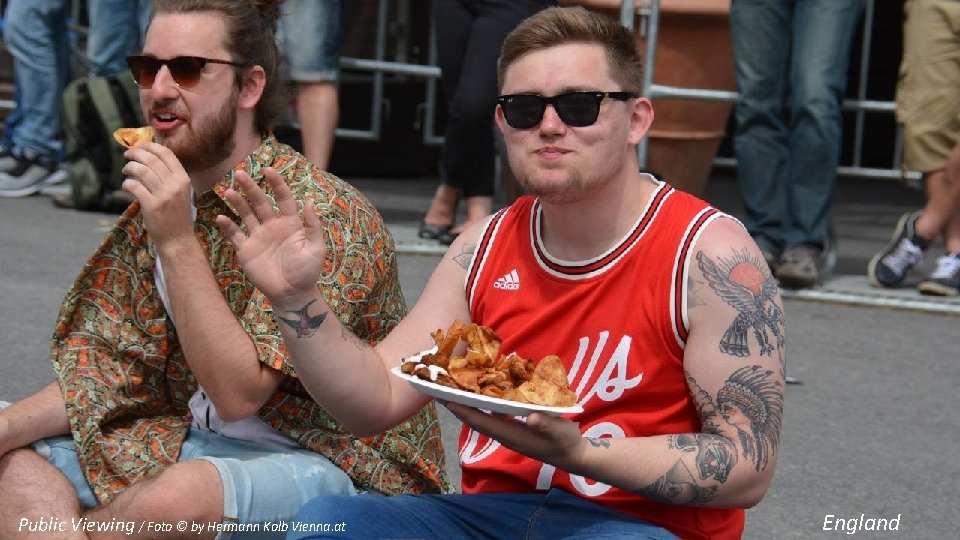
<point x="186" y="69"/>
<point x="578" y="109"/>
<point x="523" y="112"/>
<point x="144" y="69"/>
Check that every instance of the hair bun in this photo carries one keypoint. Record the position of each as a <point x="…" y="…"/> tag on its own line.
<point x="269" y="10"/>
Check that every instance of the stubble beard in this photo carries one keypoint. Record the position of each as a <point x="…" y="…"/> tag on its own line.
<point x="573" y="188"/>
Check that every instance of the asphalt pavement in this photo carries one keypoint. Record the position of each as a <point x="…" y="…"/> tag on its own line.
<point x="869" y="434"/>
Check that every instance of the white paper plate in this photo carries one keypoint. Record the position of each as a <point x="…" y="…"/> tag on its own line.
<point x="479" y="401"/>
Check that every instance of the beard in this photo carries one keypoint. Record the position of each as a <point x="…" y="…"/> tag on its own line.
<point x="210" y="141"/>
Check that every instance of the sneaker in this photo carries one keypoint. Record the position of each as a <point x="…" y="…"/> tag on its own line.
<point x="890" y="267"/>
<point x="28" y="175"/>
<point x="7" y="161"/>
<point x="945" y="280"/>
<point x="798" y="266"/>
<point x="57" y="183"/>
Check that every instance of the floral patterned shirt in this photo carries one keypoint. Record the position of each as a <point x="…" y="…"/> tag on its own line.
<point x="127" y="384"/>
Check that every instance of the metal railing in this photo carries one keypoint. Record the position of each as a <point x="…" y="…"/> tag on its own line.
<point x="649" y="17"/>
<point x="648" y="13"/>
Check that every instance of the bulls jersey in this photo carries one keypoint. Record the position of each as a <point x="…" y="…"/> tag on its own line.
<point x="619" y="323"/>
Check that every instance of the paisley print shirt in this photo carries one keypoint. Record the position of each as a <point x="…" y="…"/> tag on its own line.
<point x="127" y="384"/>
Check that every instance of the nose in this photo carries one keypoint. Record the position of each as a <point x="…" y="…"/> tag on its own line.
<point x="551" y="122"/>
<point x="164" y="85"/>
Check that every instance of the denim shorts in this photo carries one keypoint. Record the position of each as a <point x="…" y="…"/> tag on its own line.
<point x="260" y="484"/>
<point x="311" y="36"/>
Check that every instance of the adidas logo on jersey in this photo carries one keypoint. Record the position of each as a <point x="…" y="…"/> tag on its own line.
<point x="509" y="282"/>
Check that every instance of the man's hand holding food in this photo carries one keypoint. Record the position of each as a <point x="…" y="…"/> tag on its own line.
<point x="157" y="179"/>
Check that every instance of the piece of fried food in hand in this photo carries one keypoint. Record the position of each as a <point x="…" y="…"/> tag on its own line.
<point x="132" y="136"/>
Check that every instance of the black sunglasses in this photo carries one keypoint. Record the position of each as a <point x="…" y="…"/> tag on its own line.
<point x="184" y="69"/>
<point x="576" y="109"/>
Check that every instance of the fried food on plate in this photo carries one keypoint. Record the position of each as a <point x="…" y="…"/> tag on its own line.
<point x="132" y="136"/>
<point x="483" y="370"/>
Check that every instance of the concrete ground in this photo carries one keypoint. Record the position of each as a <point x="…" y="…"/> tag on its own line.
<point x="869" y="432"/>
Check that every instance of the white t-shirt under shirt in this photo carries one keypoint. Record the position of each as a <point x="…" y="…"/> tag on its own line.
<point x="205" y="416"/>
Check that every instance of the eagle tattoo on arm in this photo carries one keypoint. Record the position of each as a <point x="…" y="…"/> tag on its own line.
<point x="304" y="323"/>
<point x="740" y="282"/>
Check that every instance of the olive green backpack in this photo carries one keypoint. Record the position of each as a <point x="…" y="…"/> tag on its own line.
<point x="93" y="108"/>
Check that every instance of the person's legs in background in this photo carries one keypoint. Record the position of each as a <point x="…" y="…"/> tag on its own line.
<point x="761" y="49"/>
<point x="116" y="31"/>
<point x="928" y="106"/>
<point x="469" y="39"/>
<point x="453" y="21"/>
<point x="311" y="36"/>
<point x="35" y="34"/>
<point x="10" y="124"/>
<point x="822" y="33"/>
<point x="942" y="214"/>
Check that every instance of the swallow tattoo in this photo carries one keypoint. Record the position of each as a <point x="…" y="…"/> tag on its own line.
<point x="304" y="324"/>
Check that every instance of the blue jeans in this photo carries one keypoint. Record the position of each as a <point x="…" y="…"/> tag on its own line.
<point x="532" y="516"/>
<point x="12" y="120"/>
<point x="311" y="34"/>
<point x="35" y="32"/>
<point x="117" y="28"/>
<point x="791" y="59"/>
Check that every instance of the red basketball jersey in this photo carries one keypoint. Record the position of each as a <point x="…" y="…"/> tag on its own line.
<point x="618" y="322"/>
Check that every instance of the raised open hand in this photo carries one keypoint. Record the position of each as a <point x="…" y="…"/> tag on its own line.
<point x="283" y="253"/>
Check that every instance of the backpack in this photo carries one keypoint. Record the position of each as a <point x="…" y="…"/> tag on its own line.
<point x="93" y="107"/>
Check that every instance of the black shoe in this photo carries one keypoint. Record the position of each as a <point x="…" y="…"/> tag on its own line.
<point x="433" y="232"/>
<point x="448" y="237"/>
<point x="889" y="267"/>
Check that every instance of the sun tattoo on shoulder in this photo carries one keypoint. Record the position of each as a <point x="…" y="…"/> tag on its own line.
<point x="744" y="282"/>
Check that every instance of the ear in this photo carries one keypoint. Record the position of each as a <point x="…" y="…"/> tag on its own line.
<point x="640" y="119"/>
<point x="498" y="118"/>
<point x="252" y="85"/>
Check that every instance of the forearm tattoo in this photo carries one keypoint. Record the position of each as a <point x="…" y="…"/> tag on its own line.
<point x="304" y="324"/>
<point x="678" y="486"/>
<point x="598" y="442"/>
<point x="350" y="338"/>
<point x="744" y="282"/>
<point x="751" y="400"/>
<point x="714" y="455"/>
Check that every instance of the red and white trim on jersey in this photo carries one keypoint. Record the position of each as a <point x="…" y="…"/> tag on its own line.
<point x="487" y="237"/>
<point x="681" y="269"/>
<point x="593" y="267"/>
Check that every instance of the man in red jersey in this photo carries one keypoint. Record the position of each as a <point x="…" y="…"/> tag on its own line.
<point x="662" y="308"/>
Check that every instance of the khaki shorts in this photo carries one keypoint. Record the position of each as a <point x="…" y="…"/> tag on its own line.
<point x="928" y="90"/>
